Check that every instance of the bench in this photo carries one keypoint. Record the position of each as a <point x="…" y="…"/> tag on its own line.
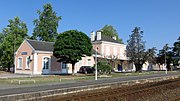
<point x="20" y="81"/>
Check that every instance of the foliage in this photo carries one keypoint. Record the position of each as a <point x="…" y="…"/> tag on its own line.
<point x="151" y="55"/>
<point x="165" y="56"/>
<point x="108" y="30"/>
<point x="136" y="50"/>
<point x="176" y="50"/>
<point x="47" y="24"/>
<point x="11" y="38"/>
<point x="71" y="46"/>
<point x="103" y="67"/>
<point x="170" y="55"/>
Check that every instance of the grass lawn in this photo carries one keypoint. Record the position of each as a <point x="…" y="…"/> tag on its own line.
<point x="42" y="79"/>
<point x="66" y="78"/>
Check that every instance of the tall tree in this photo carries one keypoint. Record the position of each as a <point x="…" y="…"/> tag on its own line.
<point x="13" y="36"/>
<point x="1" y="50"/>
<point x="165" y="56"/>
<point x="136" y="49"/>
<point x="47" y="24"/>
<point x="109" y="30"/>
<point x="151" y="55"/>
<point x="71" y="46"/>
<point x="176" y="50"/>
<point x="176" y="47"/>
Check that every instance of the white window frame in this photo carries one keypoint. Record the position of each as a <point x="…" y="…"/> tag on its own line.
<point x="18" y="67"/>
<point x="49" y="66"/>
<point x="28" y="65"/>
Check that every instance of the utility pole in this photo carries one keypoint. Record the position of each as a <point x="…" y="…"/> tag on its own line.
<point x="165" y="62"/>
<point x="14" y="48"/>
<point x="96" y="64"/>
<point x="165" y="49"/>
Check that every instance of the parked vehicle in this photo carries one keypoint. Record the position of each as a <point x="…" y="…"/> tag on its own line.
<point x="86" y="69"/>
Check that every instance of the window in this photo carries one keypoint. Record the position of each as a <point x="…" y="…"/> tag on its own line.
<point x="115" y="51"/>
<point x="27" y="62"/>
<point x="20" y="63"/>
<point x="46" y="63"/>
<point x="64" y="65"/>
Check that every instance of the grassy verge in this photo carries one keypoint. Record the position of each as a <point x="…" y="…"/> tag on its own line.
<point x="136" y="73"/>
<point x="43" y="79"/>
<point x="66" y="78"/>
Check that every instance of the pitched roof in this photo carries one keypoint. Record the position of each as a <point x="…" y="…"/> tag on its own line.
<point x="41" y="45"/>
<point x="46" y="46"/>
<point x="106" y="38"/>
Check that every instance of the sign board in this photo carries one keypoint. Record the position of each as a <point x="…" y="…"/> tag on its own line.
<point x="24" y="53"/>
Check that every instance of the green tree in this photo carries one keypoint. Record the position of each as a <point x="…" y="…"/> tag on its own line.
<point x="71" y="46"/>
<point x="170" y="55"/>
<point x="1" y="50"/>
<point x="13" y="36"/>
<point x="151" y="55"/>
<point x="47" y="24"/>
<point x="103" y="67"/>
<point x="165" y="56"/>
<point x="109" y="30"/>
<point x="176" y="47"/>
<point x="136" y="50"/>
<point x="1" y="38"/>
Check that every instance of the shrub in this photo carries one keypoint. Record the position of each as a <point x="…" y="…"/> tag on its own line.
<point x="103" y="67"/>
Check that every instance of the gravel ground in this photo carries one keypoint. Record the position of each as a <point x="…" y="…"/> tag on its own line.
<point x="168" y="90"/>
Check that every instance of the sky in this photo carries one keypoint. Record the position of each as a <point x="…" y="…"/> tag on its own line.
<point x="159" y="19"/>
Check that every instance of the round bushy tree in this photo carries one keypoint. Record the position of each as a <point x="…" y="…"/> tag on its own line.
<point x="71" y="46"/>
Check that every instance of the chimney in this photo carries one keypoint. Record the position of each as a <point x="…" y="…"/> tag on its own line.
<point x="98" y="35"/>
<point x="114" y="37"/>
<point x="92" y="36"/>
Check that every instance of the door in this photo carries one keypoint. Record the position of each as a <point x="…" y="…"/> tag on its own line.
<point x="64" y="68"/>
<point x="46" y="65"/>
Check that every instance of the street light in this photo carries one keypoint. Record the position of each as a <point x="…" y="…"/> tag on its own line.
<point x="165" y="49"/>
<point x="165" y="62"/>
<point x="96" y="64"/>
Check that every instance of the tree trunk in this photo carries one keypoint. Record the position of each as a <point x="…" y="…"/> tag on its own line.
<point x="8" y="70"/>
<point x="73" y="64"/>
<point x="159" y="66"/>
<point x="168" y="65"/>
<point x="138" y="67"/>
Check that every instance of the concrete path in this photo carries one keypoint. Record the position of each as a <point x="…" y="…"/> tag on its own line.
<point x="9" y="89"/>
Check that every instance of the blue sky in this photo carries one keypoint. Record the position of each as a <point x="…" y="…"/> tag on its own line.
<point x="159" y="19"/>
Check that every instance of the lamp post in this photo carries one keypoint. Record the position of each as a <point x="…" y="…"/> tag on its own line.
<point x="14" y="46"/>
<point x="165" y="49"/>
<point x="96" y="64"/>
<point x="165" y="63"/>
